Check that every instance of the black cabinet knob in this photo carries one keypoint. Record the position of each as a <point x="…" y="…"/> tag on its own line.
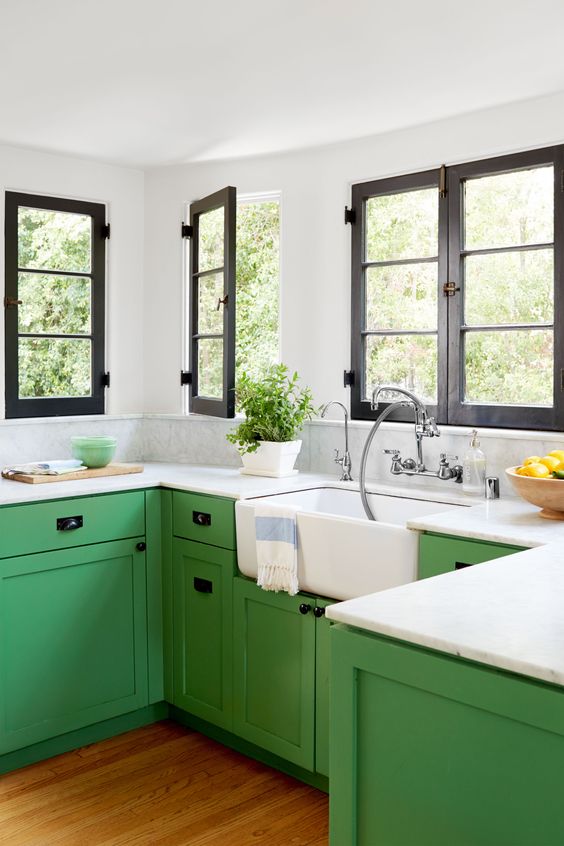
<point x="141" y="546"/>
<point x="304" y="608"/>
<point x="318" y="611"/>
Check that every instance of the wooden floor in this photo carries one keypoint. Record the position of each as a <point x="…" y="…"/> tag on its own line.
<point x="162" y="785"/>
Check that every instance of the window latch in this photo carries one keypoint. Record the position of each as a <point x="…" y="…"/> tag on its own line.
<point x="450" y="289"/>
<point x="11" y="302"/>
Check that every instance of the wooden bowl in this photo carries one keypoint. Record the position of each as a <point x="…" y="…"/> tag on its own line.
<point x="547" y="494"/>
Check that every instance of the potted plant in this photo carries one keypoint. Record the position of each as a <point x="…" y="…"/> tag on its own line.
<point x="275" y="409"/>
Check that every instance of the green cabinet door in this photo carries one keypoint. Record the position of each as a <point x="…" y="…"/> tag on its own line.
<point x="443" y="554"/>
<point x="202" y="578"/>
<point x="274" y="672"/>
<point x="73" y="640"/>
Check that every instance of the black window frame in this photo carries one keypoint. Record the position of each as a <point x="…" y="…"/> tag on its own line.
<point x="224" y="407"/>
<point x="451" y="409"/>
<point x="17" y="407"/>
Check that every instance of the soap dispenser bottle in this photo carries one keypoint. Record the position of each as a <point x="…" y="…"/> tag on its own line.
<point x="474" y="467"/>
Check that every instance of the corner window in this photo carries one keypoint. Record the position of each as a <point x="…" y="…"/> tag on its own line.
<point x="233" y="295"/>
<point x="54" y="306"/>
<point x="457" y="290"/>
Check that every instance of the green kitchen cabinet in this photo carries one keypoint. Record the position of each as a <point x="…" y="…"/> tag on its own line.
<point x="444" y="553"/>
<point x="434" y="750"/>
<point x="202" y="579"/>
<point x="322" y="689"/>
<point x="276" y="705"/>
<point x="73" y="639"/>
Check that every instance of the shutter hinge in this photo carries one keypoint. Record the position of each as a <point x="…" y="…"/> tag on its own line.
<point x="350" y="215"/>
<point x="348" y="378"/>
<point x="442" y="182"/>
<point x="185" y="377"/>
<point x="106" y="231"/>
<point x="106" y="380"/>
<point x="186" y="231"/>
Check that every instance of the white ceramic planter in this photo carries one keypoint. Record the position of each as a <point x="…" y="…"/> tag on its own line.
<point x="272" y="459"/>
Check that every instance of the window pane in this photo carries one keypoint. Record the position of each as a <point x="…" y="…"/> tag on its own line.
<point x="509" y="209"/>
<point x="511" y="368"/>
<point x="409" y="361"/>
<point x="258" y="287"/>
<point x="401" y="296"/>
<point x="509" y="288"/>
<point x="52" y="367"/>
<point x="401" y="226"/>
<point x="52" y="240"/>
<point x="54" y="304"/>
<point x="210" y="243"/>
<point x="210" y="368"/>
<point x="210" y="290"/>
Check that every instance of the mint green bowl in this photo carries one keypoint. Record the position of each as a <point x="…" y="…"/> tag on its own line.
<point x="93" y="451"/>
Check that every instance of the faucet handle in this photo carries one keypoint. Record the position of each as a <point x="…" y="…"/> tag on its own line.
<point x="391" y="451"/>
<point x="446" y="458"/>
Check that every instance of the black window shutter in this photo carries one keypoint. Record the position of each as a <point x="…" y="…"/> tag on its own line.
<point x="220" y="400"/>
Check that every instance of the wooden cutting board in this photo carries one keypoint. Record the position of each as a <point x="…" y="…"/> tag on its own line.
<point x="89" y="473"/>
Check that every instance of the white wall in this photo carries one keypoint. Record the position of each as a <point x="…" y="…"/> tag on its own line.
<point x="315" y="186"/>
<point x="122" y="189"/>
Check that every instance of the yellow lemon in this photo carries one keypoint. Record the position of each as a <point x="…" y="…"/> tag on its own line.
<point x="551" y="462"/>
<point x="557" y="453"/>
<point x="522" y="471"/>
<point x="532" y="459"/>
<point x="537" y="471"/>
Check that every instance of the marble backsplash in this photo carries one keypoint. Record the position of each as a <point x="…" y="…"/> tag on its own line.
<point x="201" y="440"/>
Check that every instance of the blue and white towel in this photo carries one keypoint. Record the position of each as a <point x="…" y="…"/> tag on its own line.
<point x="277" y="548"/>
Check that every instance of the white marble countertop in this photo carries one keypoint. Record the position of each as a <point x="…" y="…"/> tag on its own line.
<point x="207" y="479"/>
<point x="507" y="613"/>
<point x="511" y="521"/>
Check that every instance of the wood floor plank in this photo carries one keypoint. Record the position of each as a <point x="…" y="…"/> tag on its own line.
<point x="162" y="785"/>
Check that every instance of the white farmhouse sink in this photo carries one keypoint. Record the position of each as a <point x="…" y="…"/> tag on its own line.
<point x="342" y="554"/>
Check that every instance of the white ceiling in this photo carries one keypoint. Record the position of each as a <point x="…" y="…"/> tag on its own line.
<point x="150" y="83"/>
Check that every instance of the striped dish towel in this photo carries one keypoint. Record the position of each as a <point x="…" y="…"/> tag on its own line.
<point x="277" y="548"/>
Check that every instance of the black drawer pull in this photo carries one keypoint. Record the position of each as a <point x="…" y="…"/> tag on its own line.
<point x="69" y="524"/>
<point x="203" y="585"/>
<point x="200" y="518"/>
<point x="460" y="565"/>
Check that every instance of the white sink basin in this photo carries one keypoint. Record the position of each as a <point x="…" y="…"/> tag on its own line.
<point x="342" y="554"/>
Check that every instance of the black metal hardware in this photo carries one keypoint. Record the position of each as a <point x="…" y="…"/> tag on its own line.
<point x="69" y="524"/>
<point x="141" y="546"/>
<point x="186" y="231"/>
<point x="350" y="215"/>
<point x="106" y="379"/>
<point x="460" y="565"/>
<point x="106" y="231"/>
<point x="223" y="301"/>
<point x="318" y="611"/>
<point x="304" y="608"/>
<point x="442" y="182"/>
<point x="11" y="302"/>
<point x="450" y="289"/>
<point x="203" y="585"/>
<point x="200" y="518"/>
<point x="185" y="377"/>
<point x="348" y="378"/>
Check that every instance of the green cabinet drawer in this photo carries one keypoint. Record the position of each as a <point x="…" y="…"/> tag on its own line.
<point x="202" y="580"/>
<point x="27" y="529"/>
<point x="442" y="554"/>
<point x="207" y="519"/>
<point x="73" y="640"/>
